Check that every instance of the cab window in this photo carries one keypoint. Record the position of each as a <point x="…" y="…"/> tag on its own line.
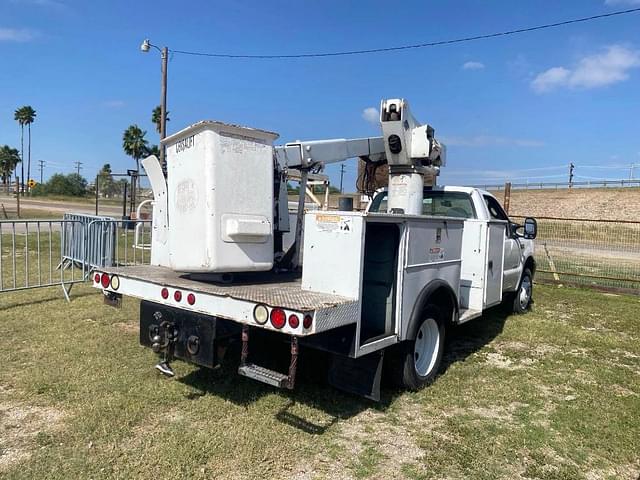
<point x="436" y="203"/>
<point x="495" y="209"/>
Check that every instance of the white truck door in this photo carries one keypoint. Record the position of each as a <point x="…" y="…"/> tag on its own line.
<point x="512" y="264"/>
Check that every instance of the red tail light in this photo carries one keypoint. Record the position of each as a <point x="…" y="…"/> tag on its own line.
<point x="165" y="293"/>
<point x="294" y="321"/>
<point x="278" y="318"/>
<point x="97" y="278"/>
<point x="177" y="295"/>
<point x="105" y="280"/>
<point x="308" y="321"/>
<point x="191" y="299"/>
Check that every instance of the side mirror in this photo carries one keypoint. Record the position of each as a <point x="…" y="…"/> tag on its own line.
<point x="530" y="228"/>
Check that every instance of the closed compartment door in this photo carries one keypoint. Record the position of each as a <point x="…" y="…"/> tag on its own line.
<point x="493" y="263"/>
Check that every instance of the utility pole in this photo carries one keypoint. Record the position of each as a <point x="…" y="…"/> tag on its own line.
<point x="341" y="176"/>
<point x="78" y="167"/>
<point x="631" y="171"/>
<point x="164" y="55"/>
<point x="571" y="168"/>
<point x="163" y="108"/>
<point x="41" y="162"/>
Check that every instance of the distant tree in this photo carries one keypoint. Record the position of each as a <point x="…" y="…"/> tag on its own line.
<point x="25" y="116"/>
<point x="18" y="116"/>
<point x="153" y="150"/>
<point x="156" y="117"/>
<point x="9" y="159"/>
<point x="134" y="144"/>
<point x="72" y="184"/>
<point x="106" y="185"/>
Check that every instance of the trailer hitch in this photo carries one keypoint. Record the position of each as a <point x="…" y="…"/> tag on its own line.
<point x="164" y="337"/>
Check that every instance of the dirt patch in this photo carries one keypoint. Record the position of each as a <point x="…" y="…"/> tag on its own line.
<point x="371" y="430"/>
<point x="622" y="472"/>
<point x="20" y="427"/>
<point x="127" y="327"/>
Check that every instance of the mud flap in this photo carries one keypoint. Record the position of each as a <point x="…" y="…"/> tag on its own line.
<point x="360" y="376"/>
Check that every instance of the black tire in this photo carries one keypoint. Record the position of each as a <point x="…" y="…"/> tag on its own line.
<point x="402" y="357"/>
<point x="523" y="297"/>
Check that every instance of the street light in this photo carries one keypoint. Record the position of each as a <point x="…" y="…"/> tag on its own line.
<point x="164" y="54"/>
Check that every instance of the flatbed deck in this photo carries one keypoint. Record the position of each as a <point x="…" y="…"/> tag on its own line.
<point x="273" y="290"/>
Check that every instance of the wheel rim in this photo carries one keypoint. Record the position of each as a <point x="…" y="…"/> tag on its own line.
<point x="427" y="347"/>
<point x="525" y="292"/>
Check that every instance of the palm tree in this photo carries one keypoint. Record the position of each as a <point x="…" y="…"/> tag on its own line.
<point x="29" y="118"/>
<point x="135" y="145"/>
<point x="25" y="116"/>
<point x="18" y="116"/>
<point x="156" y="117"/>
<point x="9" y="159"/>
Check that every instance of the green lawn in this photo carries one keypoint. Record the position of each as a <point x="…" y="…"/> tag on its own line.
<point x="554" y="394"/>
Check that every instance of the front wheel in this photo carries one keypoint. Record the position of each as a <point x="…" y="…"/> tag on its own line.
<point x="522" y="298"/>
<point x="418" y="360"/>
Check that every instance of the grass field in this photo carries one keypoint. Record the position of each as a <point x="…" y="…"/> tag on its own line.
<point x="554" y="394"/>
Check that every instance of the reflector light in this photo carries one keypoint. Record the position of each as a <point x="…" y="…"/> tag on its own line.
<point x="278" y="318"/>
<point x="115" y="282"/>
<point x="97" y="278"/>
<point x="104" y="280"/>
<point x="165" y="293"/>
<point x="308" y="321"/>
<point x="294" y="321"/>
<point x="191" y="299"/>
<point x="177" y="295"/>
<point x="260" y="314"/>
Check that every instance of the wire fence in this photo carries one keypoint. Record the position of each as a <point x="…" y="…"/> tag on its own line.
<point x="595" y="253"/>
<point x="562" y="185"/>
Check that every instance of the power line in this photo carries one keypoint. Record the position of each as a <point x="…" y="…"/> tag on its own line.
<point x="417" y="45"/>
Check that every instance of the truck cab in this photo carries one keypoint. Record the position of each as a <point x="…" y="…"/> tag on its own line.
<point x="497" y="254"/>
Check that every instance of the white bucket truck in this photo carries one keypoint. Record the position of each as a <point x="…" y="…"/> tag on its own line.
<point x="367" y="287"/>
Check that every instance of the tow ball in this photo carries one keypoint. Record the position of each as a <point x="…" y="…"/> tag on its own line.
<point x="163" y="340"/>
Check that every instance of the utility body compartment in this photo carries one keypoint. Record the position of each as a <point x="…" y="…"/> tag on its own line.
<point x="220" y="192"/>
<point x="383" y="260"/>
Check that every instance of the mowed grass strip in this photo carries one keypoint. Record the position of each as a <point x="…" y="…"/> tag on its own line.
<point x="552" y="394"/>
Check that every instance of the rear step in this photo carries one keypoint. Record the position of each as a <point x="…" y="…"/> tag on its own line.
<point x="265" y="375"/>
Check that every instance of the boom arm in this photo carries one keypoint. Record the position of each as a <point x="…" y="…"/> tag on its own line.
<point x="305" y="155"/>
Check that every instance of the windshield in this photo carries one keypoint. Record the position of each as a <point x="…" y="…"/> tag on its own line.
<point x="436" y="202"/>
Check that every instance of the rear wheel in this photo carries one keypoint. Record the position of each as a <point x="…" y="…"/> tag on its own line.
<point x="418" y="360"/>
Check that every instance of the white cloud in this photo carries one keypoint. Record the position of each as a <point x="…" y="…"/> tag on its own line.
<point x="473" y="66"/>
<point x="16" y="35"/>
<point x="597" y="70"/>
<point x="621" y="2"/>
<point x="113" y="103"/>
<point x="490" y="141"/>
<point x="371" y="115"/>
<point x="42" y="3"/>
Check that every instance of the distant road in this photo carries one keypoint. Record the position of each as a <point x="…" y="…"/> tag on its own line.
<point x="63" y="207"/>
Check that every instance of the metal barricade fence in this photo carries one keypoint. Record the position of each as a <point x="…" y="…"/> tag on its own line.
<point x="595" y="253"/>
<point x="32" y="253"/>
<point x="119" y="241"/>
<point x="46" y="253"/>
<point x="97" y="247"/>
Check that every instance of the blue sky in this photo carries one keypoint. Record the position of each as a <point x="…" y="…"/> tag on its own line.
<point x="521" y="107"/>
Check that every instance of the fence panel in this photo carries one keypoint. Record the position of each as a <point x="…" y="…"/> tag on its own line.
<point x="596" y="253"/>
<point x="45" y="253"/>
<point x="32" y="253"/>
